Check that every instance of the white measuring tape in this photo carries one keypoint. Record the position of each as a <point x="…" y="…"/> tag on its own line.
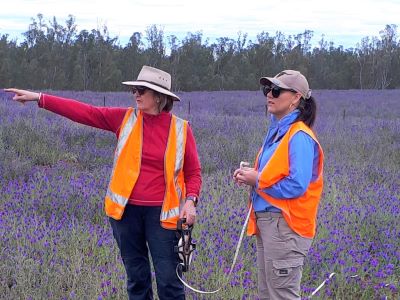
<point x="325" y="281"/>
<point x="232" y="266"/>
<point x="322" y="284"/>
<point x="329" y="277"/>
<point x="234" y="262"/>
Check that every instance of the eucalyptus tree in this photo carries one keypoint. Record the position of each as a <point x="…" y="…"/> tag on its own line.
<point x="155" y="53"/>
<point x="8" y="51"/>
<point x="194" y="64"/>
<point x="131" y="57"/>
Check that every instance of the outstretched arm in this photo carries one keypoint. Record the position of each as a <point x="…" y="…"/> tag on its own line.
<point x="23" y="95"/>
<point x="107" y="118"/>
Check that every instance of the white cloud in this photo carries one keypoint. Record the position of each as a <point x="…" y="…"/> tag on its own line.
<point x="340" y="19"/>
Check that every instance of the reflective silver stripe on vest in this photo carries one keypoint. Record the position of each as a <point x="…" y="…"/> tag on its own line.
<point x="123" y="137"/>
<point x="126" y="131"/>
<point x="169" y="214"/>
<point x="179" y="153"/>
<point x="117" y="198"/>
<point x="179" y="147"/>
<point x="179" y="127"/>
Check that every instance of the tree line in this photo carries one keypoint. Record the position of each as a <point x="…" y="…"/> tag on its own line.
<point x="58" y="57"/>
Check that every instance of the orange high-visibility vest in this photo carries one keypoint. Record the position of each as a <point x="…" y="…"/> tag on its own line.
<point x="300" y="213"/>
<point x="126" y="168"/>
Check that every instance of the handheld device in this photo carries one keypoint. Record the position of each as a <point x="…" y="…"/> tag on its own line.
<point x="244" y="164"/>
<point x="186" y="246"/>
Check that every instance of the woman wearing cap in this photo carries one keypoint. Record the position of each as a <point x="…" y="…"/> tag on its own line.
<point x="286" y="186"/>
<point x="155" y="180"/>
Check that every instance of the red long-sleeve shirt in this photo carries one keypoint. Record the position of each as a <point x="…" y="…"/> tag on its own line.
<point x="150" y="187"/>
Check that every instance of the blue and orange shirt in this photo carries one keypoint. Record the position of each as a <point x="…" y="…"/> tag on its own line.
<point x="303" y="156"/>
<point x="281" y="184"/>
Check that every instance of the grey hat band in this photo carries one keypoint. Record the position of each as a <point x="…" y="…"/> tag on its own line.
<point x="152" y="82"/>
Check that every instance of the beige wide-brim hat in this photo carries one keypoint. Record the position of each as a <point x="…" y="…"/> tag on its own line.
<point x="289" y="79"/>
<point x="154" y="79"/>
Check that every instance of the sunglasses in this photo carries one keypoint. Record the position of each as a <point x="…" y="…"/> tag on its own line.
<point x="140" y="89"/>
<point x="276" y="90"/>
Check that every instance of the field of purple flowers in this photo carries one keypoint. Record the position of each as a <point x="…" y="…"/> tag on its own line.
<point x="56" y="242"/>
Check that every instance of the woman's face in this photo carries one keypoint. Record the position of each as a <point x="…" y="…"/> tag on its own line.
<point x="145" y="100"/>
<point x="285" y="102"/>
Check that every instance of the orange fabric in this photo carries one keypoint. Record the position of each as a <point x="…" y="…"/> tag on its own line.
<point x="300" y="213"/>
<point x="113" y="210"/>
<point x="172" y="197"/>
<point x="127" y="167"/>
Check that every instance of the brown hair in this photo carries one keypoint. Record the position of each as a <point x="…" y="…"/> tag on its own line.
<point x="165" y="102"/>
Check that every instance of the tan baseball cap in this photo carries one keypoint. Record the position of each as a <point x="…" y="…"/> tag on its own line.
<point x="289" y="79"/>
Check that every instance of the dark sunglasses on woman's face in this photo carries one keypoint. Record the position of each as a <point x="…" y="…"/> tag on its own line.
<point x="276" y="90"/>
<point x="140" y="89"/>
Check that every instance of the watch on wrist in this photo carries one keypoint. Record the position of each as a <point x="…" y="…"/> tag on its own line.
<point x="194" y="199"/>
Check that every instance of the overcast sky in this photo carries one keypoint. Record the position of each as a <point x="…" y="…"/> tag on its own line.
<point x="344" y="22"/>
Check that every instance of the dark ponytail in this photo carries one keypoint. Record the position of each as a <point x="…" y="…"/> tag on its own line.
<point x="308" y="111"/>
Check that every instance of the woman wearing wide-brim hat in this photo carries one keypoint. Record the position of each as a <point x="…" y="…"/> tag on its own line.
<point x="286" y="183"/>
<point x="155" y="179"/>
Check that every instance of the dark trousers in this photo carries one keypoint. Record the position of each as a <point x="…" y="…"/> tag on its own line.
<point x="136" y="233"/>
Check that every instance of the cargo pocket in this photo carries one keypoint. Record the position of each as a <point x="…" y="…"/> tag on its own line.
<point x="287" y="273"/>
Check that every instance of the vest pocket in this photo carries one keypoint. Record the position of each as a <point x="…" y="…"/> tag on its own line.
<point x="287" y="273"/>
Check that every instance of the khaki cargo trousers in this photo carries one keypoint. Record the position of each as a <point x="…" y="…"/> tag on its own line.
<point x="280" y="257"/>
